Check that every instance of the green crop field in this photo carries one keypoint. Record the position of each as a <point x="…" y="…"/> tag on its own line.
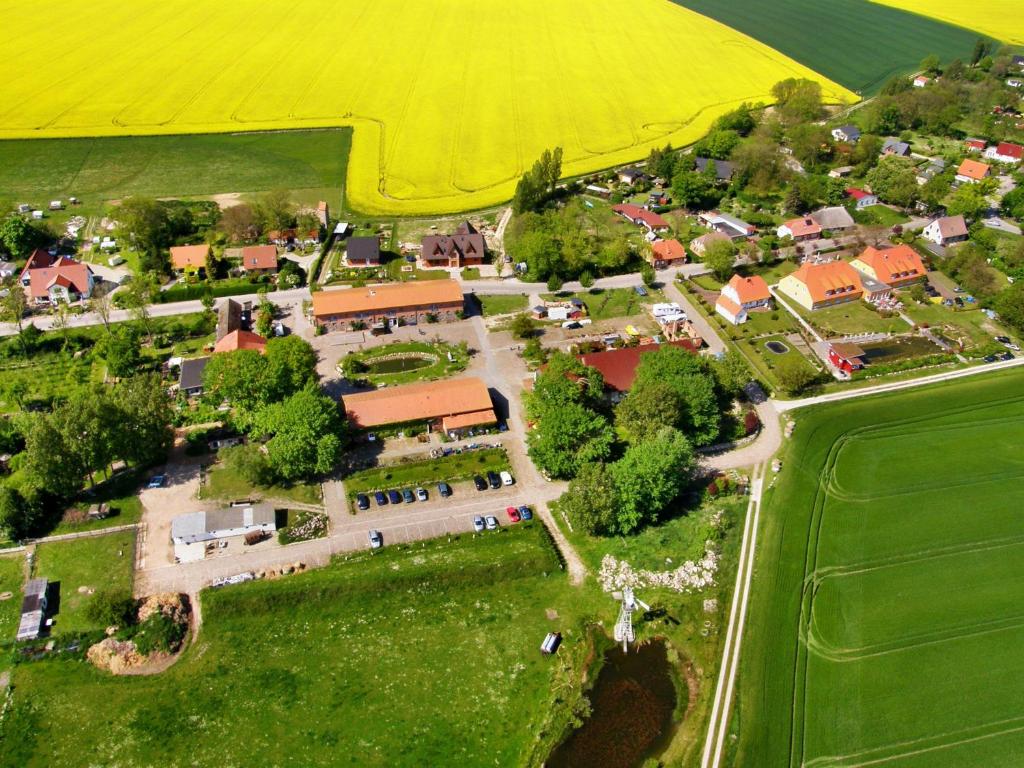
<point x="886" y="625"/>
<point x="39" y="170"/>
<point x="856" y="43"/>
<point x="423" y="656"/>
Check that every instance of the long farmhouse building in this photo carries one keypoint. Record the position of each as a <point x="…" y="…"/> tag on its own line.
<point x="390" y="303"/>
<point x="453" y="405"/>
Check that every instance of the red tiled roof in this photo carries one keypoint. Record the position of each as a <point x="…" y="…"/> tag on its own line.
<point x="1006" y="149"/>
<point x="259" y="257"/>
<point x="731" y="306"/>
<point x="803" y="227"/>
<point x="618" y="366"/>
<point x="893" y="265"/>
<point x="241" y="340"/>
<point x="750" y="289"/>
<point x="636" y="213"/>
<point x="973" y="169"/>
<point x="65" y="272"/>
<point x="857" y="194"/>
<point x="835" y="276"/>
<point x="380" y="298"/>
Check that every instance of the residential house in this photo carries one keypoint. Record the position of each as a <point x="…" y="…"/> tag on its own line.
<point x="388" y="304"/>
<point x="804" y="228"/>
<point x="975" y="145"/>
<point x="454" y="405"/>
<point x="631" y="176"/>
<point x="191" y="533"/>
<point x="463" y="249"/>
<point x="282" y="237"/>
<point x="835" y="218"/>
<point x="934" y="167"/>
<point x="921" y="81"/>
<point x="847" y="133"/>
<point x="190" y="380"/>
<point x="700" y="244"/>
<point x="724" y="170"/>
<point x="240" y="339"/>
<point x="189" y="258"/>
<point x="946" y="230"/>
<point x="896" y="267"/>
<point x="814" y="286"/>
<point x="259" y="259"/>
<point x="667" y="253"/>
<point x="972" y="171"/>
<point x="730" y="226"/>
<point x="618" y="366"/>
<point x="846" y="357"/>
<point x="363" y="252"/>
<point x="33" y="610"/>
<point x="1005" y="152"/>
<point x="895" y="147"/>
<point x="48" y="279"/>
<point x="642" y="217"/>
<point x="862" y="198"/>
<point x="740" y="295"/>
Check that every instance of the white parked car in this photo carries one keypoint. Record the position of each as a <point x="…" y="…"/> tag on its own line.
<point x="478" y="523"/>
<point x="376" y="540"/>
<point x="506" y="479"/>
<point x="491" y="522"/>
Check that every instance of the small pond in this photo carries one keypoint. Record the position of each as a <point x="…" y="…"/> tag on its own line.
<point x="632" y="703"/>
<point x="777" y="347"/>
<point x="900" y="348"/>
<point x="398" y="364"/>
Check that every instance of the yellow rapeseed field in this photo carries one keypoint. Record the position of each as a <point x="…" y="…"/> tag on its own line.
<point x="999" y="19"/>
<point x="450" y="99"/>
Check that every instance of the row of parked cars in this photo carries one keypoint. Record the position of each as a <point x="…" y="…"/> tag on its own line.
<point x="409" y="495"/>
<point x="490" y="522"/>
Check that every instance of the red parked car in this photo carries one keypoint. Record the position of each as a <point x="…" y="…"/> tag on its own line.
<point x="513" y="514"/>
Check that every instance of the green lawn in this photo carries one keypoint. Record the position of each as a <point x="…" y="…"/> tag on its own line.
<point x="850" y="318"/>
<point x="502" y="305"/>
<point x="420" y="656"/>
<point x="94" y="562"/>
<point x="121" y="495"/>
<point x="12" y="579"/>
<point x="461" y="466"/>
<point x="885" y="623"/>
<point x="605" y="304"/>
<point x="879" y="215"/>
<point x="899" y="40"/>
<point x="970" y="325"/>
<point x="95" y="169"/>
<point x="438" y="369"/>
<point x="223" y="483"/>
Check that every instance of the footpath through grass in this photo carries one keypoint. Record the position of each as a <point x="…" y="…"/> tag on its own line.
<point x="426" y="655"/>
<point x="889" y="562"/>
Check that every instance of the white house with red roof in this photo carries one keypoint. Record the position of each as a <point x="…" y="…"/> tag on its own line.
<point x="741" y="294"/>
<point x="862" y="198"/>
<point x="804" y="228"/>
<point x="667" y="253"/>
<point x="48" y="279"/>
<point x="1005" y="152"/>
<point x="975" y="145"/>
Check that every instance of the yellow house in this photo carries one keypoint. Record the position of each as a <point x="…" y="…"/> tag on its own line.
<point x="814" y="286"/>
<point x="896" y="266"/>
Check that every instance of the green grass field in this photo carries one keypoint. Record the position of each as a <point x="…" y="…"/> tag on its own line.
<point x="39" y="170"/>
<point x="502" y="305"/>
<point x="608" y="303"/>
<point x="843" y="30"/>
<point x="12" y="578"/>
<point x="223" y="483"/>
<point x="93" y="563"/>
<point x="424" y="656"/>
<point x="886" y="626"/>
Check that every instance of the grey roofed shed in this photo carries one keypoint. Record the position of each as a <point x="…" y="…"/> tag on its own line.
<point x="191" y="379"/>
<point x="234" y="521"/>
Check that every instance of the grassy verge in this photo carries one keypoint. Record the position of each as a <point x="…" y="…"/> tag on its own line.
<point x="307" y="669"/>
<point x="12" y="579"/>
<point x="223" y="483"/>
<point x="450" y="469"/>
<point x="81" y="565"/>
<point x="302" y="525"/>
<point x="502" y="305"/>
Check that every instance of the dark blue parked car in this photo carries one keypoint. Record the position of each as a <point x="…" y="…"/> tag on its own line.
<point x="380" y="498"/>
<point x="394" y="497"/>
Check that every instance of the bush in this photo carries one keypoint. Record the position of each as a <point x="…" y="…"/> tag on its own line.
<point x="249" y="462"/>
<point x="111" y="606"/>
<point x="158" y="633"/>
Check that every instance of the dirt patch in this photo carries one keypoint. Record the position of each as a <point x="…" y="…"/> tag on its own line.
<point x="228" y="200"/>
<point x="122" y="657"/>
<point x="6" y="595"/>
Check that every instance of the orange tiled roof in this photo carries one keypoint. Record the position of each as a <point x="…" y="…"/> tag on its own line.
<point x="384" y="297"/>
<point x="183" y="256"/>
<point x="750" y="289"/>
<point x="893" y="264"/>
<point x="418" y="402"/>
<point x="472" y="419"/>
<point x="828" y="281"/>
<point x="668" y="250"/>
<point x="803" y="226"/>
<point x="973" y="169"/>
<point x="730" y="305"/>
<point x="241" y="340"/>
<point x="259" y="257"/>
